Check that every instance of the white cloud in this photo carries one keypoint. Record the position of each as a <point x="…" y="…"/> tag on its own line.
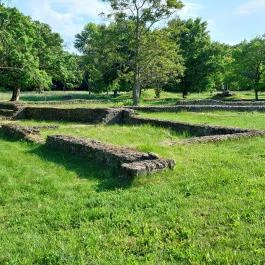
<point x="251" y="7"/>
<point x="68" y="17"/>
<point x="190" y="10"/>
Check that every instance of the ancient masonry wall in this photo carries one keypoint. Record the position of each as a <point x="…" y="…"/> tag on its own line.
<point x="213" y="102"/>
<point x="201" y="108"/>
<point x="193" y="129"/>
<point x="93" y="116"/>
<point x="129" y="162"/>
<point x="20" y="133"/>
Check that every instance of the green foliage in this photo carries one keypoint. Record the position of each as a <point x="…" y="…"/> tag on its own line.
<point x="139" y="17"/>
<point x="198" y="54"/>
<point x="160" y="62"/>
<point x="104" y="57"/>
<point x="32" y="56"/>
<point x="249" y="63"/>
<point x="129" y="53"/>
<point x="19" y="61"/>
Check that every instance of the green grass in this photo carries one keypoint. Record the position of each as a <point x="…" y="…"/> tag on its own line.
<point x="83" y="99"/>
<point x="60" y="209"/>
<point x="145" y="138"/>
<point x="251" y="120"/>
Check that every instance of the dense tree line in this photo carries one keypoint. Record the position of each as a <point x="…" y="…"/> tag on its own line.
<point x="32" y="56"/>
<point x="141" y="47"/>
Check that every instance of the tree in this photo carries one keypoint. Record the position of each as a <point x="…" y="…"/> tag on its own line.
<point x="104" y="59"/>
<point x="249" y="64"/>
<point x="19" y="65"/>
<point x="141" y="15"/>
<point x="32" y="56"/>
<point x="198" y="55"/>
<point x="161" y="61"/>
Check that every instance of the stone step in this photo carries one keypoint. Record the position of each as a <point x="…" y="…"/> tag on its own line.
<point x="3" y="118"/>
<point x="10" y="105"/>
<point x="7" y="112"/>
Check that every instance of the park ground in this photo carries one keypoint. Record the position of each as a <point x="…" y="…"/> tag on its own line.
<point x="60" y="209"/>
<point x="83" y="99"/>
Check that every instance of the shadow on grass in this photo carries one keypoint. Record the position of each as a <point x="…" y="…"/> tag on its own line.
<point x="68" y="97"/>
<point x="157" y="102"/>
<point x="108" y="178"/>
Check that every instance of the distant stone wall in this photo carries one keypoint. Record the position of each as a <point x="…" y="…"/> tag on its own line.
<point x="200" y="108"/>
<point x="213" y="102"/>
<point x="219" y="138"/>
<point x="93" y="116"/>
<point x="193" y="129"/>
<point x="10" y="105"/>
<point x="129" y="162"/>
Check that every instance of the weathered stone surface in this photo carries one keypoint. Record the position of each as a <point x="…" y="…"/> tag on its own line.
<point x="10" y="105"/>
<point x="6" y="112"/>
<point x="87" y="115"/>
<point x="130" y="162"/>
<point x="20" y="132"/>
<point x="193" y="129"/>
<point x="146" y="166"/>
<point x="213" y="102"/>
<point x="200" y="108"/>
<point x="10" y="110"/>
<point x="218" y="138"/>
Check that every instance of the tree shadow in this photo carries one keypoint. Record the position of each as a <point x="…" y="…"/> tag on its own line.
<point x="109" y="178"/>
<point x="159" y="102"/>
<point x="68" y="97"/>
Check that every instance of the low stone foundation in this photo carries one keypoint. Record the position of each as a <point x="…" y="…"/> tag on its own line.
<point x="10" y="105"/>
<point x="129" y="162"/>
<point x="214" y="102"/>
<point x="20" y="132"/>
<point x="193" y="129"/>
<point x="87" y="115"/>
<point x="219" y="138"/>
<point x="200" y="108"/>
<point x="8" y="110"/>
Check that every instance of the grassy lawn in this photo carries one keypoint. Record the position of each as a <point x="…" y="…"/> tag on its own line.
<point x="145" y="138"/>
<point x="60" y="209"/>
<point x="251" y="120"/>
<point x="60" y="98"/>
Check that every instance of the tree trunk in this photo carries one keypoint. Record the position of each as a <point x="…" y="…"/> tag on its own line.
<point x="136" y="87"/>
<point x="185" y="89"/>
<point x="256" y="94"/>
<point x="16" y="94"/>
<point x="184" y="94"/>
<point x="115" y="93"/>
<point x="136" y="93"/>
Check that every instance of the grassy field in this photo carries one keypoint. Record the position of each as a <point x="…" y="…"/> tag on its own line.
<point x="145" y="138"/>
<point x="83" y="98"/>
<point x="251" y="120"/>
<point x="60" y="209"/>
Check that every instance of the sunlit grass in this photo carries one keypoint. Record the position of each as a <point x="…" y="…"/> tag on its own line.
<point x="251" y="120"/>
<point x="60" y="209"/>
<point x="56" y="208"/>
<point x="83" y="99"/>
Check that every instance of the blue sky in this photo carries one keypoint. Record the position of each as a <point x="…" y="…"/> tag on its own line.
<point x="230" y="21"/>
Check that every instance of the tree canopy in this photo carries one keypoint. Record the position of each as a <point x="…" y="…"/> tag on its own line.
<point x="144" y="45"/>
<point x="32" y="56"/>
